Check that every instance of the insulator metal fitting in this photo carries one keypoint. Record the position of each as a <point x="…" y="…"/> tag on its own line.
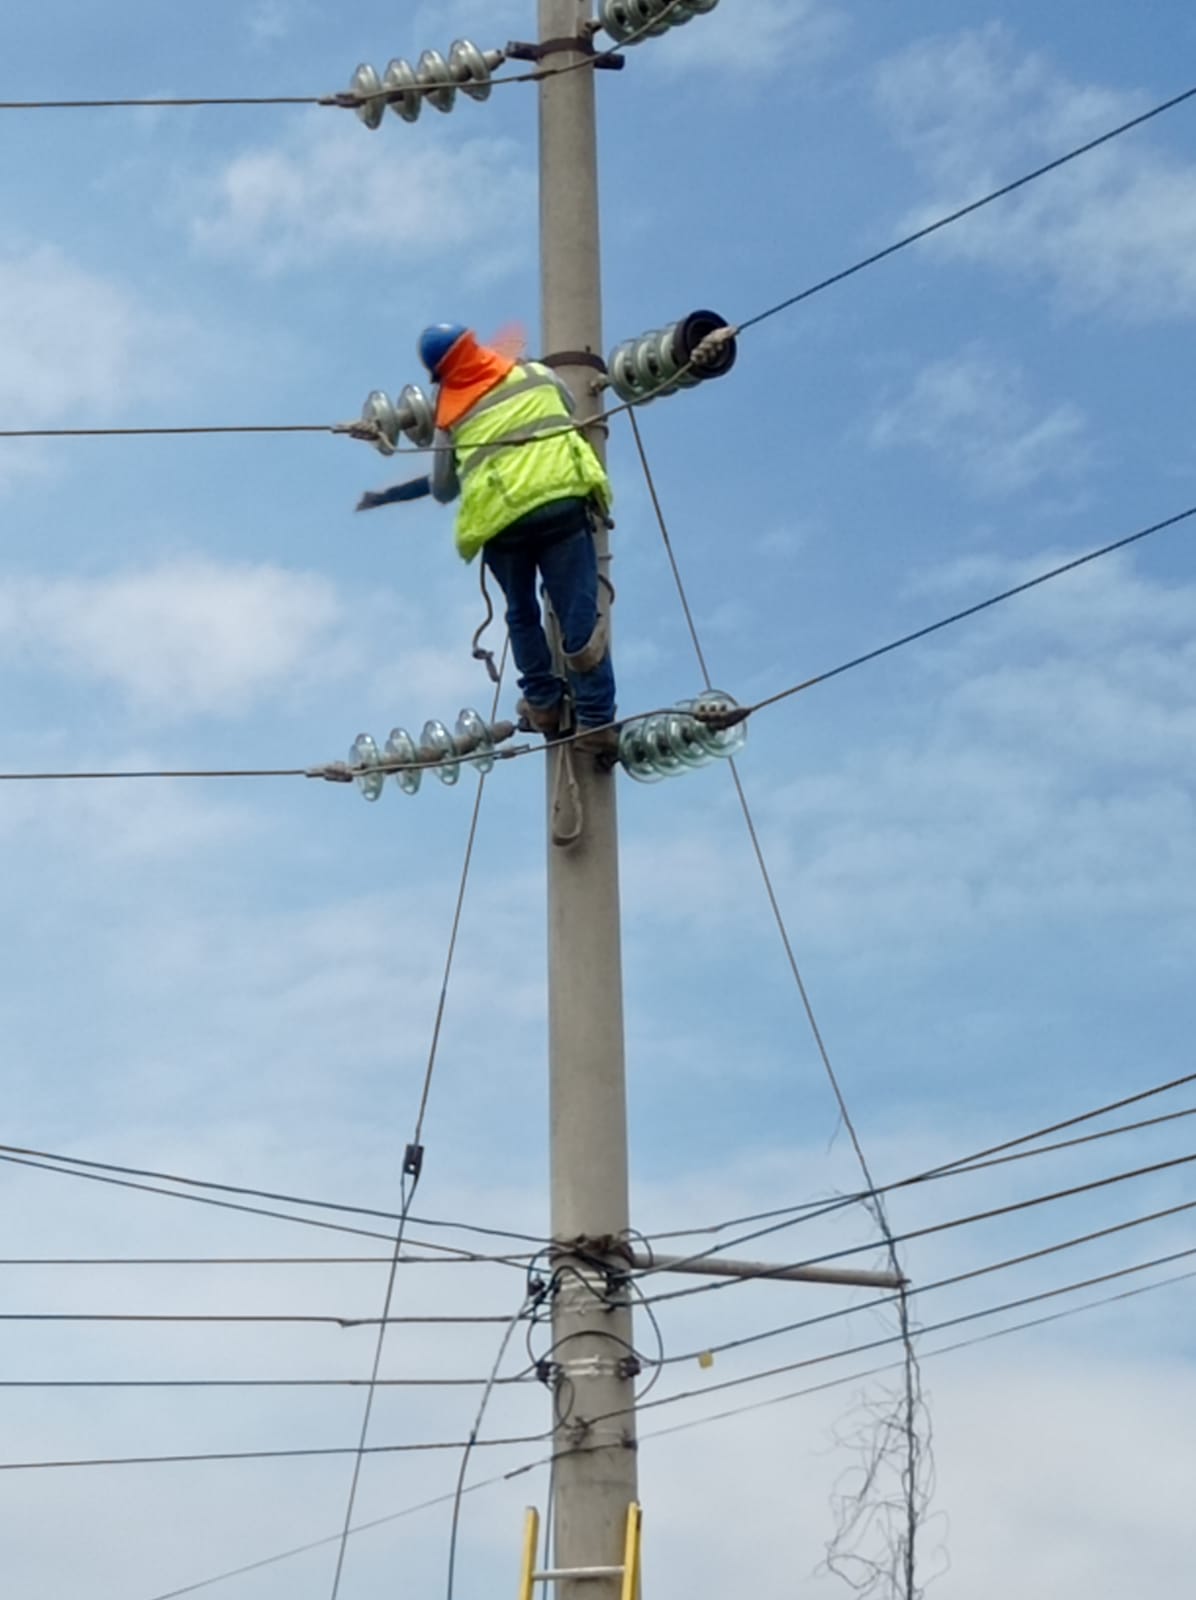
<point x="411" y="416"/>
<point x="404" y="88"/>
<point x="699" y="347"/>
<point x="674" y="742"/>
<point x="632" y="20"/>
<point x="438" y="751"/>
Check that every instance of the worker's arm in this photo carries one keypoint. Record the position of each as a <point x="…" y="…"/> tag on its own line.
<point x="416" y="489"/>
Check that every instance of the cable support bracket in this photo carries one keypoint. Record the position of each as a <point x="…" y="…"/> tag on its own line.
<point x="574" y="358"/>
<point x="576" y="45"/>
<point x="601" y="1248"/>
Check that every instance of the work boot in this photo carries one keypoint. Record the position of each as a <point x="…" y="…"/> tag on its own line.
<point x="540" y="719"/>
<point x="602" y="743"/>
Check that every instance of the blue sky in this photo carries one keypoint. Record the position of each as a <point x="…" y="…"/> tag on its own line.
<point x="984" y="844"/>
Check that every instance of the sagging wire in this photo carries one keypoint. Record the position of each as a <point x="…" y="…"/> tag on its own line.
<point x="414" y="1159"/>
<point x="680" y="1427"/>
<point x="536" y="1292"/>
<point x="916" y="1469"/>
<point x="341" y="773"/>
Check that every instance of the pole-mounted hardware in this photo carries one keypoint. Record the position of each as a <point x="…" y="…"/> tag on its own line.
<point x="404" y="88"/>
<point x="627" y="20"/>
<point x="578" y="44"/>
<point x="674" y="742"/>
<point x="699" y="347"/>
<point x="411" y="416"/>
<point x="439" y="751"/>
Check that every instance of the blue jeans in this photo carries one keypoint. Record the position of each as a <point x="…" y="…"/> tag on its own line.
<point x="555" y="543"/>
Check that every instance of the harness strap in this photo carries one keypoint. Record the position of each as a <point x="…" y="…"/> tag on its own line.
<point x="593" y="653"/>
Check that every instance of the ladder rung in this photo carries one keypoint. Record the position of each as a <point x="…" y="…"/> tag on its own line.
<point x="577" y="1572"/>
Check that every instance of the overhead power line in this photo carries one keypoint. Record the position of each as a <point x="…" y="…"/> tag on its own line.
<point x="908" y="1420"/>
<point x="973" y="206"/>
<point x="406" y="1512"/>
<point x="429" y="1448"/>
<point x="936" y="1327"/>
<point x="977" y="1161"/>
<point x="931" y="1229"/>
<point x="751" y="322"/>
<point x="347" y="99"/>
<point x="528" y="1376"/>
<point x="925" y="1355"/>
<point x="251" y="1261"/>
<point x="122" y="1170"/>
<point x="414" y="1158"/>
<point x="254" y="1318"/>
<point x="666" y="1400"/>
<point x="929" y="1288"/>
<point x="745" y="711"/>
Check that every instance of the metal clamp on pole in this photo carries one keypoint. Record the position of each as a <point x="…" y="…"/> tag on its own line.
<point x="577" y="45"/>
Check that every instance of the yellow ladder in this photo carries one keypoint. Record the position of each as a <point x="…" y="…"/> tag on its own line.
<point x="629" y="1571"/>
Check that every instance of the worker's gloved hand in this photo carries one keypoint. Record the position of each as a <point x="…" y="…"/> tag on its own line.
<point x="417" y="489"/>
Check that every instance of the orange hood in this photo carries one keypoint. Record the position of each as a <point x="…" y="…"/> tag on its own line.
<point x="469" y="371"/>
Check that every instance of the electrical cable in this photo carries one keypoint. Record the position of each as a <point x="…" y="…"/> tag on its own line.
<point x="252" y="1261"/>
<point x="422" y="1448"/>
<point x="937" y="1327"/>
<point x="812" y="1210"/>
<point x="346" y="99"/>
<point x="529" y="1302"/>
<point x="926" y="1355"/>
<point x="451" y="1252"/>
<point x="745" y="711"/>
<point x="263" y="1319"/>
<point x="930" y="1288"/>
<point x="973" y="206"/>
<point x="665" y="1400"/>
<point x="413" y="1163"/>
<point x="680" y="1427"/>
<point x="911" y="1470"/>
<point x="250" y="1383"/>
<point x="9" y="1150"/>
<point x="926" y="1232"/>
<point x="744" y="326"/>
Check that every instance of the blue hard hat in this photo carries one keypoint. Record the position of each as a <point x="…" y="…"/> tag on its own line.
<point x="436" y="342"/>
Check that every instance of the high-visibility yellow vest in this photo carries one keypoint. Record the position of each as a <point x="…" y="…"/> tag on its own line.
<point x="501" y="480"/>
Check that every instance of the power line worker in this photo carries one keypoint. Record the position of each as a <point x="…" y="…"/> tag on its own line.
<point x="527" y="508"/>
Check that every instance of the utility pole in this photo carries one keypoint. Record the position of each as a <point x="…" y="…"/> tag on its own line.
<point x="595" y="1474"/>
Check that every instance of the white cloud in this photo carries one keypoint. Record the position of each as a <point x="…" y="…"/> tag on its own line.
<point x="78" y="348"/>
<point x="269" y="21"/>
<point x="1051" y="779"/>
<point x="974" y="414"/>
<point x="188" y="636"/>
<point x="751" y="36"/>
<point x="1115" y="229"/>
<point x="332" y="191"/>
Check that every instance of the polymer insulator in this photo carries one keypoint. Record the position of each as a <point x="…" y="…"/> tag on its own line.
<point x="660" y="363"/>
<point x="673" y="742"/>
<point x="632" y="20"/>
<point x="405" y="88"/>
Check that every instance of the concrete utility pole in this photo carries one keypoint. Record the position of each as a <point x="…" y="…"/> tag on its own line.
<point x="590" y="1201"/>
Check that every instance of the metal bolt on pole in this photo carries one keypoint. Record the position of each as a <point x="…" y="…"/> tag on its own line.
<point x="595" y="1478"/>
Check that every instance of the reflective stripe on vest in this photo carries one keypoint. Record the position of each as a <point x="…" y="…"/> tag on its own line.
<point x="512" y="441"/>
<point x="518" y="449"/>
